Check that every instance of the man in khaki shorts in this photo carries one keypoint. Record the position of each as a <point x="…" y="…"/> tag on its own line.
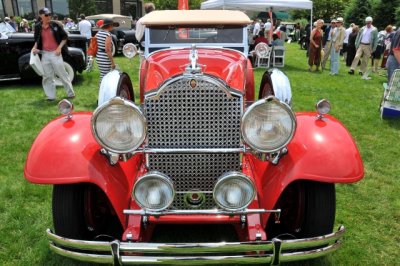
<point x="366" y="43"/>
<point x="50" y="40"/>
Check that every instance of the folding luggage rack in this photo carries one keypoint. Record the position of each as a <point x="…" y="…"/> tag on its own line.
<point x="390" y="104"/>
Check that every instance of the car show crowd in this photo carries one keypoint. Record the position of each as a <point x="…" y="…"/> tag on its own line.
<point x="364" y="47"/>
<point x="361" y="47"/>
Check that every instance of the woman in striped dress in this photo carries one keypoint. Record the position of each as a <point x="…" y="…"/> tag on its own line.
<point x="104" y="58"/>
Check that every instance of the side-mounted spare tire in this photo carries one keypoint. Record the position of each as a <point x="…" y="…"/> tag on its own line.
<point x="115" y="84"/>
<point x="274" y="82"/>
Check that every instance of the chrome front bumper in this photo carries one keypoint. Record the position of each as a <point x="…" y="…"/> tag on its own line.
<point x="138" y="253"/>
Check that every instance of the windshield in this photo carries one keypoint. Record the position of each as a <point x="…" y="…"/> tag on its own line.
<point x="215" y="35"/>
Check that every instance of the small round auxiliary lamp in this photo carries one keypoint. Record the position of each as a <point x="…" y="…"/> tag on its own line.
<point x="129" y="50"/>
<point x="66" y="107"/>
<point x="323" y="107"/>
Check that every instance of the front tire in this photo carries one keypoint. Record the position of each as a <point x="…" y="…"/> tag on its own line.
<point x="82" y="211"/>
<point x="307" y="210"/>
<point x="125" y="89"/>
<point x="70" y="71"/>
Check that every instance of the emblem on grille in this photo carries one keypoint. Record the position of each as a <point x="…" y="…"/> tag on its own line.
<point x="193" y="83"/>
<point x="194" y="199"/>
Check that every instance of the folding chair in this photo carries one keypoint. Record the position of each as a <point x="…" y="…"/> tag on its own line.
<point x="278" y="56"/>
<point x="263" y="54"/>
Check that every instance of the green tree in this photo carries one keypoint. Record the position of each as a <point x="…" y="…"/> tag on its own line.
<point x="325" y="9"/>
<point x="397" y="14"/>
<point x="384" y="13"/>
<point x="173" y="4"/>
<point x="77" y="7"/>
<point x="357" y="11"/>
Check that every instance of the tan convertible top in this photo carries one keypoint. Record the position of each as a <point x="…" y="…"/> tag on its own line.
<point x="195" y="17"/>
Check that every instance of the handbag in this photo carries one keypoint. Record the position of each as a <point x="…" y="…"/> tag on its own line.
<point x="92" y="50"/>
<point x="36" y="64"/>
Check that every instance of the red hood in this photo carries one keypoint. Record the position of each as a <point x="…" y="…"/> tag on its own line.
<point x="228" y="65"/>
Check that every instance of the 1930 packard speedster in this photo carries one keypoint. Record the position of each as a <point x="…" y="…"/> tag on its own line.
<point x="197" y="152"/>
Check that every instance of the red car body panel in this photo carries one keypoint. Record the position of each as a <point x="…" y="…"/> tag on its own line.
<point x="228" y="65"/>
<point x="65" y="152"/>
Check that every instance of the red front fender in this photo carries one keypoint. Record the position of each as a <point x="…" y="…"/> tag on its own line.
<point x="65" y="152"/>
<point x="321" y="150"/>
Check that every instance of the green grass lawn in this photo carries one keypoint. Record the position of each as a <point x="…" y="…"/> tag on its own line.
<point x="369" y="209"/>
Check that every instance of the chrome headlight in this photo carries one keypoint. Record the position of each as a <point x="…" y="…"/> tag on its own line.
<point x="268" y="125"/>
<point x="119" y="125"/>
<point x="234" y="191"/>
<point x="154" y="191"/>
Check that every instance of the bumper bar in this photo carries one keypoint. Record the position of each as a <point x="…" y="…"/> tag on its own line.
<point x="137" y="253"/>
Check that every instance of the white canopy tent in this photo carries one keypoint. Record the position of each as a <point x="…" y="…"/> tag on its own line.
<point x="259" y="5"/>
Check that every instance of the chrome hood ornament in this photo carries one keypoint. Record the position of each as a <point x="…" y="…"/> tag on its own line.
<point x="193" y="68"/>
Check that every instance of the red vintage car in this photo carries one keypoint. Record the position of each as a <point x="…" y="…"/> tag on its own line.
<point x="199" y="152"/>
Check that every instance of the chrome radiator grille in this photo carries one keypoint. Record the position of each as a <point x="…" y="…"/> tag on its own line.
<point x="203" y="117"/>
<point x="193" y="118"/>
<point x="194" y="172"/>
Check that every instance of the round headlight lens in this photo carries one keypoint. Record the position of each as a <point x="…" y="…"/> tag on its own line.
<point x="268" y="125"/>
<point x="119" y="125"/>
<point x="234" y="191"/>
<point x="154" y="191"/>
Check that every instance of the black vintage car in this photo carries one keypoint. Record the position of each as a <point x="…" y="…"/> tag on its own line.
<point x="15" y="50"/>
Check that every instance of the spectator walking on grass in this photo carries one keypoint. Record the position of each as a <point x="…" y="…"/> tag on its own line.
<point x="327" y="42"/>
<point x="366" y="43"/>
<point x="337" y="38"/>
<point x="104" y="57"/>
<point x="85" y="28"/>
<point x="148" y="7"/>
<point x="393" y="61"/>
<point x="348" y="31"/>
<point x="314" y="57"/>
<point x="380" y="49"/>
<point x="51" y="39"/>
<point x="351" y="46"/>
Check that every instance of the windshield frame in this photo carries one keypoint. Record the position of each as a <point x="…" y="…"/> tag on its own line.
<point x="150" y="47"/>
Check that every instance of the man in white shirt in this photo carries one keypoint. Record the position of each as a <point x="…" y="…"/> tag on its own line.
<point x="267" y="28"/>
<point x="85" y="28"/>
<point x="256" y="28"/>
<point x="139" y="31"/>
<point x="366" y="43"/>
<point x="346" y="40"/>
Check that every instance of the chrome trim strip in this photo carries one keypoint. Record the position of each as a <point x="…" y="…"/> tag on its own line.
<point x="217" y="150"/>
<point x="217" y="82"/>
<point x="201" y="212"/>
<point x="198" y="253"/>
<point x="9" y="79"/>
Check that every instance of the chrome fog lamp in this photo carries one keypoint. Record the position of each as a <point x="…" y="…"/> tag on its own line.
<point x="154" y="191"/>
<point x="234" y="191"/>
<point x="323" y="107"/>
<point x="119" y="126"/>
<point x="66" y="107"/>
<point x="268" y="125"/>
